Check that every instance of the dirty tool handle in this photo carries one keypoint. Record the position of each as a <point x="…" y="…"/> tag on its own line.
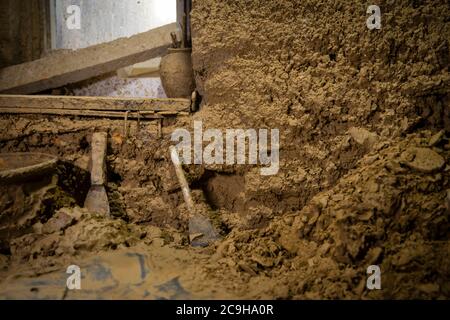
<point x="98" y="171"/>
<point x="182" y="179"/>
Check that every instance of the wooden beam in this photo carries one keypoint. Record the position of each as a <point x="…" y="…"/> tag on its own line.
<point x="93" y="103"/>
<point x="94" y="113"/>
<point x="61" y="68"/>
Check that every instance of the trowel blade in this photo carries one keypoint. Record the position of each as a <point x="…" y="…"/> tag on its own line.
<point x="97" y="200"/>
<point x="201" y="231"/>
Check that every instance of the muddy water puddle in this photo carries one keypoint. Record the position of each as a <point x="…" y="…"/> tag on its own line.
<point x="142" y="272"/>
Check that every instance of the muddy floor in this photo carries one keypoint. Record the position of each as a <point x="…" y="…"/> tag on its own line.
<point x="364" y="179"/>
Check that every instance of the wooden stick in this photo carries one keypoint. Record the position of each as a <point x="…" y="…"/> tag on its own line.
<point x="94" y="103"/>
<point x="98" y="154"/>
<point x="138" y="124"/>
<point x="97" y="198"/>
<point x="89" y="113"/>
<point x="182" y="179"/>
<point x="160" y="130"/>
<point x="146" y="69"/>
<point x="125" y="125"/>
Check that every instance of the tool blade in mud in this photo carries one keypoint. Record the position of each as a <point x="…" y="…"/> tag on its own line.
<point x="201" y="231"/>
<point x="97" y="200"/>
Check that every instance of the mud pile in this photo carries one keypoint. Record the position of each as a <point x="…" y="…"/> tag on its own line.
<point x="139" y="186"/>
<point x="356" y="111"/>
<point x="364" y="178"/>
<point x="143" y="197"/>
<point x="389" y="211"/>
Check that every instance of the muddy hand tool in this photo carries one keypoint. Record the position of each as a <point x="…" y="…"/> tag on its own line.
<point x="201" y="231"/>
<point x="97" y="199"/>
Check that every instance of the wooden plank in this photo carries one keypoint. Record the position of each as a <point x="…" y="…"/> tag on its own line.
<point x="94" y="103"/>
<point x="61" y="68"/>
<point x="90" y="113"/>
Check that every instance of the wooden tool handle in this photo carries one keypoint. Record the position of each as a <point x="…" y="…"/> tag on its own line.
<point x="182" y="179"/>
<point x="98" y="170"/>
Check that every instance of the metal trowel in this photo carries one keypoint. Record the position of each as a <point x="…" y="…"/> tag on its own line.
<point x="201" y="231"/>
<point x="97" y="199"/>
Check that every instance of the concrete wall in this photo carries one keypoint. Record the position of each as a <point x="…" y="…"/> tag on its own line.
<point x="107" y="20"/>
